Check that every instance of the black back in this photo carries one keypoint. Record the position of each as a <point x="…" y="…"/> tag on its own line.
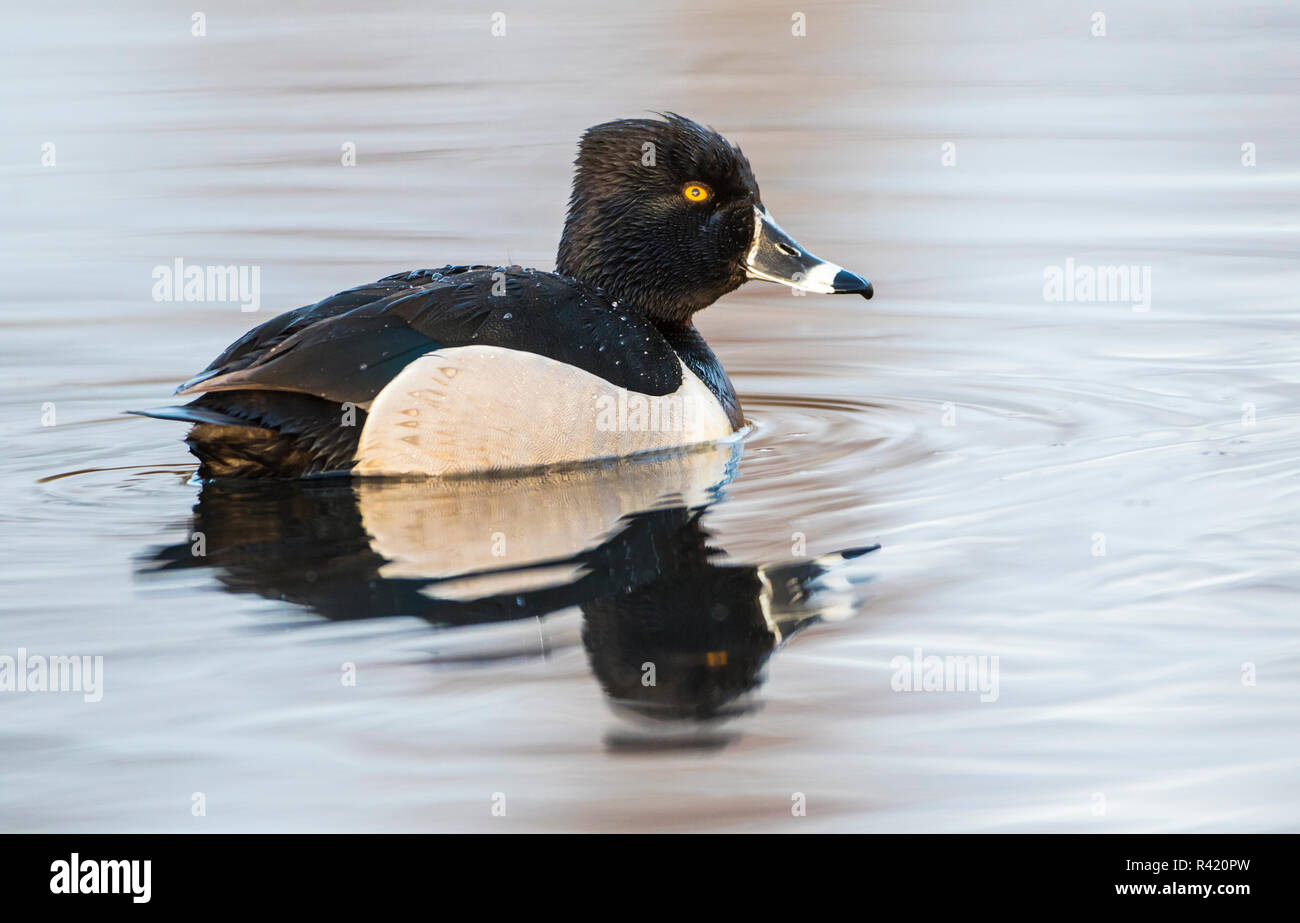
<point x="349" y="346"/>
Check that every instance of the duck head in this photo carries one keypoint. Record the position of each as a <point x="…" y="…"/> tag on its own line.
<point x="666" y="215"/>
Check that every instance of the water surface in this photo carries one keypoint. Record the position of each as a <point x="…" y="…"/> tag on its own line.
<point x="1103" y="498"/>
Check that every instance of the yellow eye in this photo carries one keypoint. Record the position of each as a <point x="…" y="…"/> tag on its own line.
<point x="694" y="192"/>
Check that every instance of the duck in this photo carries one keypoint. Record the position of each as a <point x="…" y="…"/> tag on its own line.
<point x="475" y="369"/>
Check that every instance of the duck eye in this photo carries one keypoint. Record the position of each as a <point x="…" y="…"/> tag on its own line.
<point x="695" y="192"/>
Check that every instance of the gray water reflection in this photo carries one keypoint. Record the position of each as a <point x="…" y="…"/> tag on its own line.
<point x="672" y="634"/>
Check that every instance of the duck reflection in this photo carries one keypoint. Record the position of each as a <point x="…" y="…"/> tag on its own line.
<point x="672" y="632"/>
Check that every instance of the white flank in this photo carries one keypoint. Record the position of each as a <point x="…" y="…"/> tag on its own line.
<point x="473" y="409"/>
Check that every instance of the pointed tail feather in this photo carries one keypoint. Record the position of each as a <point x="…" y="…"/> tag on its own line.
<point x="191" y="413"/>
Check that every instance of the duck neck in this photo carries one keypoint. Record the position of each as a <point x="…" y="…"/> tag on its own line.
<point x="653" y="292"/>
<point x="575" y="259"/>
<point x="695" y="353"/>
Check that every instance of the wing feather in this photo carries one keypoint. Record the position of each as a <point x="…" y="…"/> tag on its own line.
<point x="349" y="346"/>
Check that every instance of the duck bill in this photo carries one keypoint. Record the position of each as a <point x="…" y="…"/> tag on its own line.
<point x="776" y="257"/>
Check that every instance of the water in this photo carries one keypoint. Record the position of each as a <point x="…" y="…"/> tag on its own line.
<point x="993" y="443"/>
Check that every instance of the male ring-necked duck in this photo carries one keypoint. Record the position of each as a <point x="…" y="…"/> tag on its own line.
<point x="479" y="368"/>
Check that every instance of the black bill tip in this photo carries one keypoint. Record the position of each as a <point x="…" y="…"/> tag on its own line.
<point x="847" y="283"/>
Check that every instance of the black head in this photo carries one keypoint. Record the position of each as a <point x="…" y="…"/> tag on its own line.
<point x="666" y="216"/>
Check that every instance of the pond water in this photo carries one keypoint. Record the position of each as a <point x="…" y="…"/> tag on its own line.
<point x="1094" y="499"/>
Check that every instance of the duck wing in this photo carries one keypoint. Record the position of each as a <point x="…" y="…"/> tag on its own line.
<point x="256" y="343"/>
<point x="347" y="347"/>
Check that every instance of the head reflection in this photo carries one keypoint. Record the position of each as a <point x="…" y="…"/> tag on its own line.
<point x="673" y="633"/>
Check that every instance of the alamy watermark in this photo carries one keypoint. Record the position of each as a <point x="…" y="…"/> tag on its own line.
<point x="1124" y="284"/>
<point x="178" y="282"/>
<point x="647" y="413"/>
<point x="37" y="673"/>
<point x="950" y="673"/>
<point x="76" y="875"/>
